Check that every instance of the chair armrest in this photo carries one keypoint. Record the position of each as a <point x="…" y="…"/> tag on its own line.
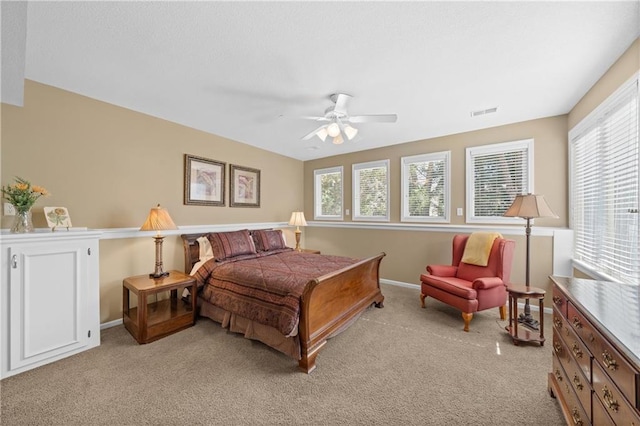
<point x="487" y="282"/>
<point x="442" y="270"/>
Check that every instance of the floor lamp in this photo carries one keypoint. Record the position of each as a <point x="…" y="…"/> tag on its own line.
<point x="529" y="206"/>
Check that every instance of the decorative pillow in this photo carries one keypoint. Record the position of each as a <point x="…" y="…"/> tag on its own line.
<point x="231" y="244"/>
<point x="267" y="240"/>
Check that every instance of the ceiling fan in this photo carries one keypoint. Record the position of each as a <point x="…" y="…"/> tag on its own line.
<point x="338" y="121"/>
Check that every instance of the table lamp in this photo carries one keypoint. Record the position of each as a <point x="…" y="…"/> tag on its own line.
<point x="529" y="206"/>
<point x="158" y="220"/>
<point x="297" y="220"/>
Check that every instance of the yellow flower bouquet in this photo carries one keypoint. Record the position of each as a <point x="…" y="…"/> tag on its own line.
<point x="22" y="195"/>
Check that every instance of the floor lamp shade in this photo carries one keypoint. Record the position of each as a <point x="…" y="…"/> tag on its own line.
<point x="297" y="220"/>
<point x="158" y="220"/>
<point x="529" y="206"/>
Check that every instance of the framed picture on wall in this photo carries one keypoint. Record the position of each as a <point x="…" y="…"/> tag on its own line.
<point x="203" y="181"/>
<point x="244" y="186"/>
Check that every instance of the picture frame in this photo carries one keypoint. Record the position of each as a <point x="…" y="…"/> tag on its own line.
<point x="204" y="181"/>
<point x="57" y="217"/>
<point x="244" y="186"/>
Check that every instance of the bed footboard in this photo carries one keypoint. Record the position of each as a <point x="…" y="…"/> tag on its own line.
<point x="330" y="303"/>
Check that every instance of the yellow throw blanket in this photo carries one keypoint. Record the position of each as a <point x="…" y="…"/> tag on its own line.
<point x="478" y="248"/>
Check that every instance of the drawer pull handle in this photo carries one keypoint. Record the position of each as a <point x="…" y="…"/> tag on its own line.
<point x="557" y="322"/>
<point x="575" y="415"/>
<point x="557" y="300"/>
<point x="592" y="338"/>
<point x="608" y="361"/>
<point x="576" y="381"/>
<point x="557" y="348"/>
<point x="558" y="375"/>
<point x="576" y="350"/>
<point x="14" y="261"/>
<point x="576" y="322"/>
<point x="611" y="403"/>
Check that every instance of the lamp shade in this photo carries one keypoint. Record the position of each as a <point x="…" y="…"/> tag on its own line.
<point x="351" y="132"/>
<point x="297" y="219"/>
<point x="158" y="220"/>
<point x="529" y="206"/>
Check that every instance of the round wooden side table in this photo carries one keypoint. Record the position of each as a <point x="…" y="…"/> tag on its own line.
<point x="518" y="332"/>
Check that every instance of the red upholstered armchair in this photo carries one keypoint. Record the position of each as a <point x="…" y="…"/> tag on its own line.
<point x="471" y="288"/>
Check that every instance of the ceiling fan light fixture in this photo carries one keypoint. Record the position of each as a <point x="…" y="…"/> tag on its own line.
<point x="333" y="130"/>
<point x="338" y="139"/>
<point x="322" y="134"/>
<point x="351" y="132"/>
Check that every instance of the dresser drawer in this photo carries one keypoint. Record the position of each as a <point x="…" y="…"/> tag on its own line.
<point x="582" y="327"/>
<point x="576" y="412"/>
<point x="560" y="350"/>
<point x="617" y="368"/>
<point x="559" y="301"/>
<point x="573" y="368"/>
<point x="612" y="399"/>
<point x="559" y="321"/>
<point x="578" y="350"/>
<point x="600" y="416"/>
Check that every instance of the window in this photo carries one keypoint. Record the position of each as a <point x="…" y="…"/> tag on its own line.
<point x="495" y="175"/>
<point x="426" y="187"/>
<point x="371" y="191"/>
<point x="328" y="193"/>
<point x="604" y="187"/>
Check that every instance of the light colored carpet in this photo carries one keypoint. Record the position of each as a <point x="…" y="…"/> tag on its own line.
<point x="396" y="365"/>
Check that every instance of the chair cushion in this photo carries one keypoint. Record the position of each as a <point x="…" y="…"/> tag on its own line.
<point x="452" y="285"/>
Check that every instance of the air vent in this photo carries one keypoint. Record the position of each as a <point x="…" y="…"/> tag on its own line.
<point x="484" y="111"/>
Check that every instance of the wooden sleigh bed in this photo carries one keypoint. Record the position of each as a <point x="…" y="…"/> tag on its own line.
<point x="328" y="303"/>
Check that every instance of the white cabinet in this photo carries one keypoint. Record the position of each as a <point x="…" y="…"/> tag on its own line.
<point x="49" y="299"/>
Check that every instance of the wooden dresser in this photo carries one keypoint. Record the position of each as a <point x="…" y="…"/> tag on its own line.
<point x="596" y="351"/>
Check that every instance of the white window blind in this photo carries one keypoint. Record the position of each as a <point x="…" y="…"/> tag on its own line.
<point x="426" y="187"/>
<point x="495" y="175"/>
<point x="604" y="187"/>
<point x="371" y="191"/>
<point x="328" y="193"/>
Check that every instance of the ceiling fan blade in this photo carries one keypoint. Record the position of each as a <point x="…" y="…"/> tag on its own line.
<point x="306" y="117"/>
<point x="313" y="133"/>
<point x="377" y="118"/>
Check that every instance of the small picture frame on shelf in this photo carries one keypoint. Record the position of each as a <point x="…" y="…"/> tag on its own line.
<point x="57" y="217"/>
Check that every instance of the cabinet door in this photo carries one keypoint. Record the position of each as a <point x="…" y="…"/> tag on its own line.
<point x="48" y="308"/>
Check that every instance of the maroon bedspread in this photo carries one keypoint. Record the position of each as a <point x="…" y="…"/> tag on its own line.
<point x="267" y="287"/>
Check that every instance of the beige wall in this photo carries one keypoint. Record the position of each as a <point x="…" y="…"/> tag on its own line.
<point x="616" y="75"/>
<point x="408" y="252"/>
<point x="109" y="166"/>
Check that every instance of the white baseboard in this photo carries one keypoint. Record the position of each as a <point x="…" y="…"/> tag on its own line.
<point x="110" y="324"/>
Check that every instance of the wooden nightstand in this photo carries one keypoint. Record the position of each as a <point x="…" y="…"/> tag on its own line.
<point x="149" y="322"/>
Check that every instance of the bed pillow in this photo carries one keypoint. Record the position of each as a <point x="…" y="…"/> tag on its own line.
<point x="230" y="244"/>
<point x="267" y="240"/>
<point x="206" y="251"/>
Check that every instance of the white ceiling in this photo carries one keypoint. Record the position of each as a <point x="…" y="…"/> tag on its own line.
<point x="233" y="68"/>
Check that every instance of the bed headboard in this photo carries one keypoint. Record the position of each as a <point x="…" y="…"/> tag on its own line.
<point x="191" y="250"/>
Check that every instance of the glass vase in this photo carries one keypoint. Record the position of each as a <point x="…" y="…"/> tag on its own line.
<point x="22" y="223"/>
